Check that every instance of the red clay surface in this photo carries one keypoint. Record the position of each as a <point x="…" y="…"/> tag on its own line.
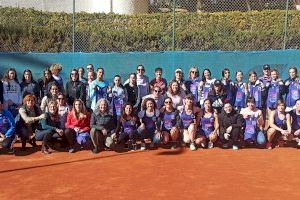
<point x="156" y="174"/>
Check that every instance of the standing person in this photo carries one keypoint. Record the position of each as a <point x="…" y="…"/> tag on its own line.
<point x="150" y="121"/>
<point x="75" y="89"/>
<point x="81" y="77"/>
<point x="266" y="81"/>
<point x="231" y="124"/>
<point x="127" y="127"/>
<point x="253" y="132"/>
<point x="192" y="84"/>
<point x="132" y="91"/>
<point x="142" y="81"/>
<point x="209" y="126"/>
<point x="45" y="81"/>
<point x="55" y="70"/>
<point x="30" y="86"/>
<point x="295" y="117"/>
<point x="99" y="88"/>
<point x="179" y="78"/>
<point x="170" y="123"/>
<point x="28" y="123"/>
<point x="12" y="94"/>
<point x="91" y="75"/>
<point x="119" y="96"/>
<point x="280" y="126"/>
<point x="217" y="96"/>
<point x="78" y="126"/>
<point x="90" y="68"/>
<point x="190" y="115"/>
<point x="206" y="85"/>
<point x="256" y="88"/>
<point x="275" y="91"/>
<point x="103" y="126"/>
<point x="51" y="96"/>
<point x="228" y="85"/>
<point x="7" y="129"/>
<point x="175" y="93"/>
<point x="157" y="96"/>
<point x="292" y="85"/>
<point x="159" y="81"/>
<point x="241" y="91"/>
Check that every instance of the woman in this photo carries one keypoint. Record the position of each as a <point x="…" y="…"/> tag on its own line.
<point x="63" y="109"/>
<point x="132" y="91"/>
<point x="295" y="116"/>
<point x="75" y="89"/>
<point x="149" y="119"/>
<point x="29" y="85"/>
<point x="78" y="126"/>
<point x="45" y="81"/>
<point x="127" y="127"/>
<point x="241" y="91"/>
<point x="175" y="93"/>
<point x="81" y="77"/>
<point x="228" y="85"/>
<point x="255" y="89"/>
<point x="206" y="85"/>
<point x="275" y="90"/>
<point x="190" y="117"/>
<point x="170" y="123"/>
<point x="280" y="126"/>
<point x="91" y="75"/>
<point x="192" y="84"/>
<point x="55" y="70"/>
<point x="51" y="96"/>
<point x="142" y="81"/>
<point x="292" y="85"/>
<point x="217" y="96"/>
<point x="209" y="126"/>
<point x="50" y="127"/>
<point x="12" y="94"/>
<point x="253" y="130"/>
<point x="103" y="126"/>
<point x="178" y="77"/>
<point x="157" y="96"/>
<point x="119" y="96"/>
<point x="28" y="122"/>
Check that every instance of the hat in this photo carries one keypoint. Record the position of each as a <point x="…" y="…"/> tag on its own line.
<point x="217" y="83"/>
<point x="178" y="70"/>
<point x="266" y="67"/>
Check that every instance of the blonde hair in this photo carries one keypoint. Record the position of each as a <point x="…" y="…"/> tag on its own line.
<point x="55" y="67"/>
<point x="82" y="113"/>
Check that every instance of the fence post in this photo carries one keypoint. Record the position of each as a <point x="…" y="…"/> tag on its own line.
<point x="73" y="28"/>
<point x="174" y="26"/>
<point x="286" y="24"/>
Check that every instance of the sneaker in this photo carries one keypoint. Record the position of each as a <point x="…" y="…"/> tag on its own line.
<point x="174" y="146"/>
<point x="269" y="145"/>
<point x="210" y="145"/>
<point x="202" y="144"/>
<point x="235" y="147"/>
<point x="143" y="146"/>
<point x="71" y="150"/>
<point x="11" y="151"/>
<point x="96" y="150"/>
<point x="226" y="136"/>
<point x="298" y="145"/>
<point x="192" y="146"/>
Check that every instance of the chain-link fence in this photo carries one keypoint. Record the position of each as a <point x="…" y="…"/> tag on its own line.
<point x="148" y="25"/>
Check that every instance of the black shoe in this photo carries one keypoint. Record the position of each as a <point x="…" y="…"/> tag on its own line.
<point x="96" y="150"/>
<point x="32" y="142"/>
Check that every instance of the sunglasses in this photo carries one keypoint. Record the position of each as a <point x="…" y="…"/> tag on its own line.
<point x="140" y="70"/>
<point x="60" y="98"/>
<point x="194" y="72"/>
<point x="168" y="102"/>
<point x="157" y="91"/>
<point x="89" y="68"/>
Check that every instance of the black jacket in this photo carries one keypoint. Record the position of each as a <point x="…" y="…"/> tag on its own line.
<point x="233" y="119"/>
<point x="75" y="90"/>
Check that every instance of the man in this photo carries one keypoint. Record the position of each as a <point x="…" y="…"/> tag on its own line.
<point x="89" y="68"/>
<point x="157" y="96"/>
<point x="159" y="81"/>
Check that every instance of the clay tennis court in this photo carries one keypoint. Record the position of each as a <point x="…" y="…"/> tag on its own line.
<point x="155" y="174"/>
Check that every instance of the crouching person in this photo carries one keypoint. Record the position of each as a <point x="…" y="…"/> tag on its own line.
<point x="231" y="124"/>
<point x="78" y="126"/>
<point x="7" y="129"/>
<point x="102" y="127"/>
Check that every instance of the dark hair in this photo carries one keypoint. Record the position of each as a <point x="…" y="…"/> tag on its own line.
<point x="82" y="69"/>
<point x="170" y="88"/>
<point x="45" y="81"/>
<point x="140" y="66"/>
<point x="190" y="96"/>
<point x="123" y="115"/>
<point x="280" y="102"/>
<point x="118" y="76"/>
<point x="250" y="100"/>
<point x="203" y="77"/>
<point x="6" y="75"/>
<point x="27" y="70"/>
<point x="144" y="104"/>
<point x="91" y="65"/>
<point x="49" y="95"/>
<point x="73" y="70"/>
<point x="252" y="72"/>
<point x="294" y="68"/>
<point x="210" y="102"/>
<point x="225" y="70"/>
<point x="158" y="69"/>
<point x="100" y="68"/>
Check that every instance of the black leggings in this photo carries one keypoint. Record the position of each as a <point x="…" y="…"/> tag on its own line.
<point x="234" y="136"/>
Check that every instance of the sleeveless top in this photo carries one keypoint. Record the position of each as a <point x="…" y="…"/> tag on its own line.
<point x="240" y="97"/>
<point x="187" y="119"/>
<point x="169" y="120"/>
<point x="281" y="123"/>
<point x="208" y="125"/>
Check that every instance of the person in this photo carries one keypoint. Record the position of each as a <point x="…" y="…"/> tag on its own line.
<point x="75" y="89"/>
<point x="241" y="91"/>
<point x="228" y="85"/>
<point x="132" y="91"/>
<point x="255" y="89"/>
<point x="63" y="109"/>
<point x="157" y="96"/>
<point x="12" y="94"/>
<point x="103" y="126"/>
<point x="292" y="88"/>
<point x="127" y="127"/>
<point x="51" y="96"/>
<point x="170" y="123"/>
<point x="55" y="70"/>
<point x="91" y="75"/>
<point x="50" y="127"/>
<point x="28" y="120"/>
<point x="205" y="85"/>
<point x="275" y="91"/>
<point x="45" y="82"/>
<point x="176" y="94"/>
<point x="78" y="126"/>
<point x="190" y="115"/>
<point x="217" y="96"/>
<point x="142" y="81"/>
<point x="150" y="121"/>
<point x="280" y="126"/>
<point x="192" y="84"/>
<point x="231" y="123"/>
<point x="30" y="86"/>
<point x="118" y="96"/>
<point x="209" y="128"/>
<point x="253" y="130"/>
<point x="1" y="92"/>
<point x="90" y="68"/>
<point x="179" y="78"/>
<point x="159" y="81"/>
<point x="7" y="129"/>
<point x="295" y="117"/>
<point x="266" y="80"/>
<point x="99" y="88"/>
<point x="81" y="77"/>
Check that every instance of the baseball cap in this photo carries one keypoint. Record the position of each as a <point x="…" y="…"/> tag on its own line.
<point x="217" y="83"/>
<point x="178" y="70"/>
<point x="266" y="67"/>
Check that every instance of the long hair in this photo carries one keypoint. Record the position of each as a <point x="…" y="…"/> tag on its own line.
<point x="144" y="104"/>
<point x="170" y="88"/>
<point x="46" y="81"/>
<point x="23" y="78"/>
<point x="203" y="77"/>
<point x="124" y="115"/>
<point x="82" y="113"/>
<point x="6" y="75"/>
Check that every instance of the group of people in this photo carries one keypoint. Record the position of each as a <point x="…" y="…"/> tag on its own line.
<point x="198" y="112"/>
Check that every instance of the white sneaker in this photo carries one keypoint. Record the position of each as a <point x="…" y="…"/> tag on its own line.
<point x="143" y="146"/>
<point x="226" y="136"/>
<point x="202" y="144"/>
<point x="234" y="147"/>
<point x="298" y="143"/>
<point x="192" y="147"/>
<point x="210" y="145"/>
